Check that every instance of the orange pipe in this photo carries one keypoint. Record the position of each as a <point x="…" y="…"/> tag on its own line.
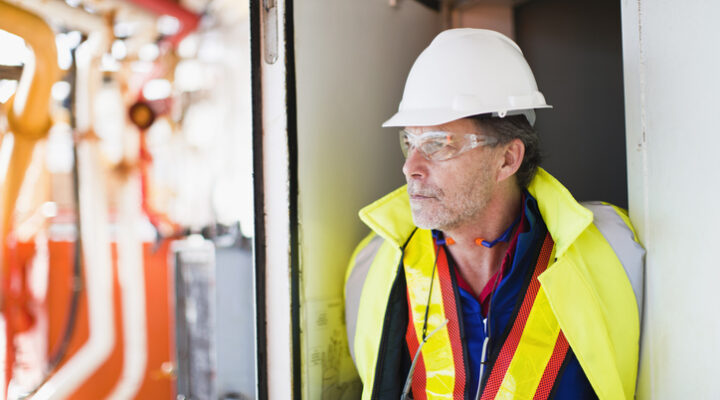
<point x="28" y="115"/>
<point x="28" y="111"/>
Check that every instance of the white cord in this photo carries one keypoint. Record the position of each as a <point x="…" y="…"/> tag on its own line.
<point x="408" y="381"/>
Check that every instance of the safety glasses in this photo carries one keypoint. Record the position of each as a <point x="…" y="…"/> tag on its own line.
<point x="440" y="146"/>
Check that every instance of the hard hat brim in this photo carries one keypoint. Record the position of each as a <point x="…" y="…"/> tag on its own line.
<point x="432" y="117"/>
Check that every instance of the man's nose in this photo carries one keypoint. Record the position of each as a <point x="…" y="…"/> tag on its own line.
<point x="415" y="166"/>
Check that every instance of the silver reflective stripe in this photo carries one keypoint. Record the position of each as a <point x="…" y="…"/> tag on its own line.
<point x="620" y="237"/>
<point x="354" y="285"/>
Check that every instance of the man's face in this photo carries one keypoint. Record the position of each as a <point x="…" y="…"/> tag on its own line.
<point x="447" y="194"/>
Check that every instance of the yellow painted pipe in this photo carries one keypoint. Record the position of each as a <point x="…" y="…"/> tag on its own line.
<point x="29" y="115"/>
<point x="28" y="112"/>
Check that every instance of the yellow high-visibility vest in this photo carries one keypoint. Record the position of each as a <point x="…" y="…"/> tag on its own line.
<point x="589" y="293"/>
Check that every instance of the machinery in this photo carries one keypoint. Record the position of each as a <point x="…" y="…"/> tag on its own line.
<point x="111" y="133"/>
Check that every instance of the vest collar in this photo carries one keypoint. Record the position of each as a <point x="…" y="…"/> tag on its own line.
<point x="564" y="217"/>
<point x="391" y="218"/>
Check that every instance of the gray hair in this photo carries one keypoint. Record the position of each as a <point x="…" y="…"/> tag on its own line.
<point x="514" y="127"/>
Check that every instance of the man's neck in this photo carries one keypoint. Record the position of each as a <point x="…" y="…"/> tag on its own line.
<point x="478" y="263"/>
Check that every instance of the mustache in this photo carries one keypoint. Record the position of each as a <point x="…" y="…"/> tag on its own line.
<point x="416" y="189"/>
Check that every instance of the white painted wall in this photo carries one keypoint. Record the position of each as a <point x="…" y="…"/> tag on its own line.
<point x="671" y="64"/>
<point x="352" y="58"/>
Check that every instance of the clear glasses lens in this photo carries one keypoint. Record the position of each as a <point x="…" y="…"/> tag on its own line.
<point x="404" y="142"/>
<point x="439" y="146"/>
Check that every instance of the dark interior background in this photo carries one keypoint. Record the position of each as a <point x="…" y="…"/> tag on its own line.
<point x="575" y="51"/>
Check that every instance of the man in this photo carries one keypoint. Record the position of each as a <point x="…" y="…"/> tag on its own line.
<point x="483" y="277"/>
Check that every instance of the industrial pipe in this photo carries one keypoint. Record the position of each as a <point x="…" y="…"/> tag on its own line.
<point x="131" y="275"/>
<point x="71" y="18"/>
<point x="28" y="110"/>
<point x="95" y="237"/>
<point x="28" y="115"/>
<point x="144" y="21"/>
<point x="188" y="19"/>
<point x="130" y="259"/>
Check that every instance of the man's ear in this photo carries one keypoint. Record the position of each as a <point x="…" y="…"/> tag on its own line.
<point x="512" y="158"/>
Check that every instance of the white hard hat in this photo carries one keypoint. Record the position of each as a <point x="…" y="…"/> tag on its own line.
<point x="466" y="72"/>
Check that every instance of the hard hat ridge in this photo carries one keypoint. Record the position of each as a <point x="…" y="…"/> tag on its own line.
<point x="465" y="72"/>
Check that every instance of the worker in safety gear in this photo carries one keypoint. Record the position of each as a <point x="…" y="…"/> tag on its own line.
<point x="483" y="278"/>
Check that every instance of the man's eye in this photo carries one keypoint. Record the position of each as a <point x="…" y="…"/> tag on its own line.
<point x="432" y="146"/>
<point x="406" y="143"/>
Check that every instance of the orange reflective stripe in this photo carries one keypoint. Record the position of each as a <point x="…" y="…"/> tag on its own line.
<point x="534" y="339"/>
<point x="418" y="379"/>
<point x="497" y="375"/>
<point x="547" y="382"/>
<point x="448" y="294"/>
<point x="442" y="371"/>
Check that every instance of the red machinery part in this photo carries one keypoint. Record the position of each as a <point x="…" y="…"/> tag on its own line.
<point x="188" y="19"/>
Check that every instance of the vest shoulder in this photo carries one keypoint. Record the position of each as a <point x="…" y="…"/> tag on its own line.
<point x="615" y="226"/>
<point x="593" y="289"/>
